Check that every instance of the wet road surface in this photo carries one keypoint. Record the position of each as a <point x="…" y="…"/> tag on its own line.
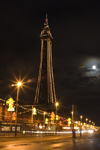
<point x="62" y="142"/>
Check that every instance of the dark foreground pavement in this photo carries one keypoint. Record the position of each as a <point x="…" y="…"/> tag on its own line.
<point x="89" y="141"/>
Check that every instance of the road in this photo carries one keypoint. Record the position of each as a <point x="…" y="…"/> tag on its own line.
<point x="89" y="141"/>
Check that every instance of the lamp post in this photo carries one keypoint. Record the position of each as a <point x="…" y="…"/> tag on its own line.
<point x="86" y="122"/>
<point x="89" y="121"/>
<point x="81" y="119"/>
<point x="72" y="116"/>
<point x="56" y="104"/>
<point x="34" y="113"/>
<point x="81" y="125"/>
<point x="18" y="85"/>
<point x="44" y="117"/>
<point x="73" y="130"/>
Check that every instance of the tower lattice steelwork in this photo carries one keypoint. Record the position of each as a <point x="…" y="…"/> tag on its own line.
<point x="45" y="90"/>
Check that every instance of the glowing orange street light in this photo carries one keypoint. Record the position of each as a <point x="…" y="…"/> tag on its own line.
<point x="89" y="121"/>
<point x="44" y="113"/>
<point x="86" y="120"/>
<point x="56" y="104"/>
<point x="19" y="84"/>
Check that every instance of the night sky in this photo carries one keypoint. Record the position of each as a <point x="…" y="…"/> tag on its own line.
<point x="75" y="26"/>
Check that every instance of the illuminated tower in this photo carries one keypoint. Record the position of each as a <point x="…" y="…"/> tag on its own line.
<point x="45" y="90"/>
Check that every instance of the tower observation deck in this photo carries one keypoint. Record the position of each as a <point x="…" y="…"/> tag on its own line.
<point x="45" y="90"/>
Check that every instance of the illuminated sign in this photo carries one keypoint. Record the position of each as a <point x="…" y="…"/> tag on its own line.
<point x="46" y="121"/>
<point x="10" y="102"/>
<point x="69" y="121"/>
<point x="34" y="111"/>
<point x="56" y="117"/>
<point x="14" y="116"/>
<point x="52" y="116"/>
<point x="79" y="123"/>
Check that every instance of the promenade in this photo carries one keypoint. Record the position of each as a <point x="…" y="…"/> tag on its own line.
<point x="88" y="141"/>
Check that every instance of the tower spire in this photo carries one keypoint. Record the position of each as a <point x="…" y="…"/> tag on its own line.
<point x="45" y="90"/>
<point x="46" y="20"/>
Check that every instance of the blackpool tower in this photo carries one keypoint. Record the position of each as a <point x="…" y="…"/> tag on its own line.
<point x="45" y="90"/>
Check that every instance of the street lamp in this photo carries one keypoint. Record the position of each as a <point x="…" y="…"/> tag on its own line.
<point x="86" y="120"/>
<point x="56" y="104"/>
<point x="72" y="116"/>
<point x="81" y="119"/>
<point x="73" y="130"/>
<point x="18" y="85"/>
<point x="44" y="117"/>
<point x="89" y="121"/>
<point x="81" y="125"/>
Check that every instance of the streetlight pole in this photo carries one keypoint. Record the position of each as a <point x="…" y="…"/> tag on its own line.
<point x="73" y="130"/>
<point x="18" y="85"/>
<point x="86" y="120"/>
<point x="72" y="116"/>
<point x="44" y="118"/>
<point x="89" y="123"/>
<point x="81" y="125"/>
<point x="56" y="113"/>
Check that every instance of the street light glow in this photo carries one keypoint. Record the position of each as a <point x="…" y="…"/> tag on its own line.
<point x="57" y="104"/>
<point x="19" y="84"/>
<point x="81" y="117"/>
<point x="86" y="119"/>
<point x="44" y="113"/>
<point x="72" y="112"/>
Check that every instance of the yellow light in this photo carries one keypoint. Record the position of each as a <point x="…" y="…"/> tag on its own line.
<point x="10" y="102"/>
<point x="34" y="111"/>
<point x="84" y="124"/>
<point x="14" y="116"/>
<point x="86" y="119"/>
<point x="44" y="113"/>
<point x="81" y="117"/>
<point x="19" y="84"/>
<point x="72" y="112"/>
<point x="57" y="104"/>
<point x="52" y="116"/>
<point x="56" y="117"/>
<point x="46" y="121"/>
<point x="69" y="121"/>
